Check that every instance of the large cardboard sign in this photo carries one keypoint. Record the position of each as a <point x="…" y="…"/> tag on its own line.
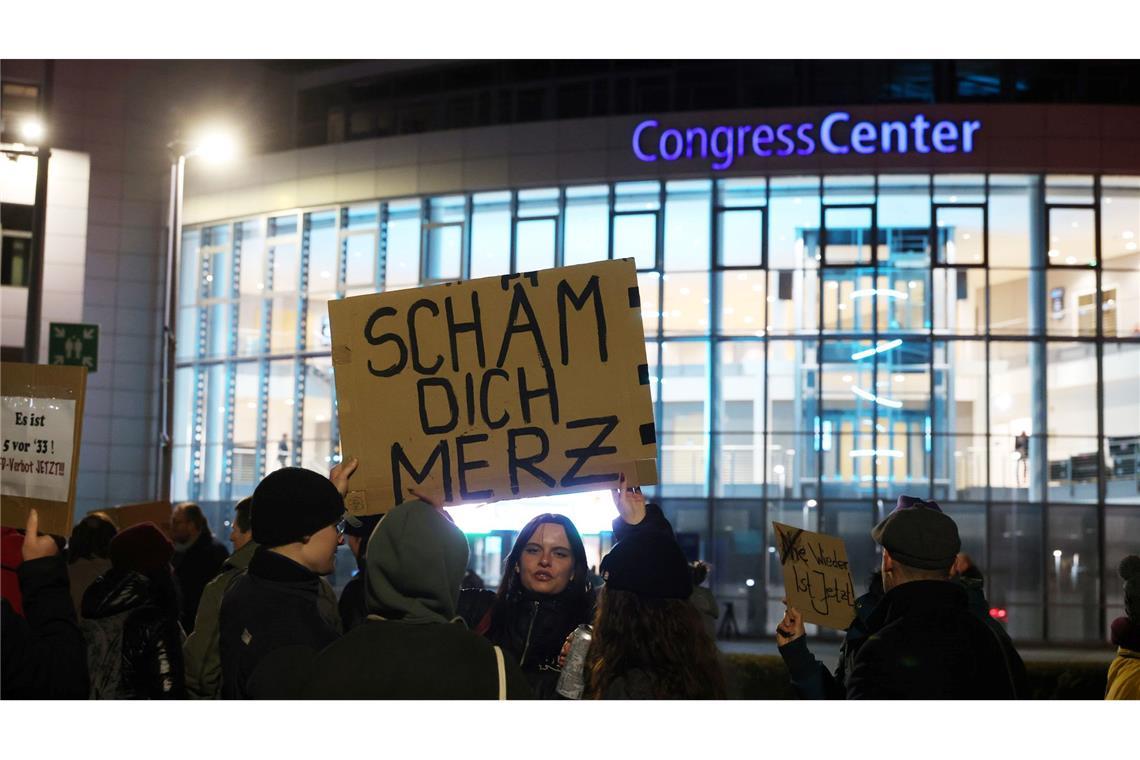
<point x="41" y="419"/>
<point x="817" y="578"/>
<point x="497" y="388"/>
<point x="157" y="512"/>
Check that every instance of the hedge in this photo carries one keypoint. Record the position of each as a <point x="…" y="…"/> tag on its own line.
<point x="764" y="676"/>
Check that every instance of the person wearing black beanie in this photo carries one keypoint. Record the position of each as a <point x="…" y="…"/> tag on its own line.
<point x="276" y="617"/>
<point x="1124" y="672"/>
<point x="649" y="641"/>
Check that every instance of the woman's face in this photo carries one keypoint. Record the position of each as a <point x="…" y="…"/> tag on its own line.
<point x="547" y="563"/>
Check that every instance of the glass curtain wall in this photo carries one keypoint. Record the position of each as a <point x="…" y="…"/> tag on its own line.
<point x="817" y="346"/>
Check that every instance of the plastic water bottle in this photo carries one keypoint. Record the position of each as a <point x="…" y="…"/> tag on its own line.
<point x="572" y="682"/>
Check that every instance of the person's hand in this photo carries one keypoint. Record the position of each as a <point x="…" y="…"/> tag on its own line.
<point x="791" y="627"/>
<point x="630" y="502"/>
<point x="565" y="650"/>
<point x="37" y="546"/>
<point x="340" y="474"/>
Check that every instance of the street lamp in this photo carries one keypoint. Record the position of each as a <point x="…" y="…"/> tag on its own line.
<point x="215" y="147"/>
<point x="32" y="131"/>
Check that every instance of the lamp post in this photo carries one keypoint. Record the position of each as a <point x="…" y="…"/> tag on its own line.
<point x="216" y="147"/>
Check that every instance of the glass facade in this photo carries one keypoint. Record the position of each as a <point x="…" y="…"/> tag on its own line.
<point x="817" y="346"/>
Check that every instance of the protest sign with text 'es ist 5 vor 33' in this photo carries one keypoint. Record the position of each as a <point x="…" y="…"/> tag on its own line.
<point x="496" y="388"/>
<point x="817" y="577"/>
<point x="41" y="418"/>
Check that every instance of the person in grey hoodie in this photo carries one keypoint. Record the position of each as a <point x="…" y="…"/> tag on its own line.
<point x="413" y="644"/>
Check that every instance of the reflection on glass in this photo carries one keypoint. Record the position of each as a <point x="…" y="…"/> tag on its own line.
<point x="687" y="209"/>
<point x="794" y="210"/>
<point x="279" y="441"/>
<point x="960" y="235"/>
<point x="848" y="238"/>
<point x="283" y="332"/>
<point x="587" y="225"/>
<point x="317" y="416"/>
<point x="324" y="254"/>
<point x="959" y="300"/>
<point x="741" y="418"/>
<point x="360" y="261"/>
<point x="1071" y="583"/>
<point x="403" y="239"/>
<point x="648" y="286"/>
<point x="491" y="235"/>
<point x="286" y="267"/>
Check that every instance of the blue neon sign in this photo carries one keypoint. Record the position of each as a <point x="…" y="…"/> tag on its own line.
<point x="835" y="133"/>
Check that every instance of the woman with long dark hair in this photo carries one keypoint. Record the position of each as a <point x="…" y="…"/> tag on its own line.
<point x="649" y="641"/>
<point x="545" y="594"/>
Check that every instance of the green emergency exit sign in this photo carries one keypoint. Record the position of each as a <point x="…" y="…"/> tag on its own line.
<point x="74" y="344"/>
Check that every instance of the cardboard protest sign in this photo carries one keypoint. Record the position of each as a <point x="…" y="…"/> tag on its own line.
<point x="41" y="418"/>
<point x="817" y="578"/>
<point x="497" y="388"/>
<point x="157" y="512"/>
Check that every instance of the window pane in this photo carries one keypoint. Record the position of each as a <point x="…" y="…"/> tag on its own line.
<point x="959" y="301"/>
<point x="587" y="225"/>
<point x="904" y="220"/>
<point x="279" y="443"/>
<point x="283" y="333"/>
<point x="648" y="285"/>
<point x="687" y="219"/>
<point x="686" y="307"/>
<point x="403" y="250"/>
<point x="1073" y="574"/>
<point x="491" y="235"/>
<point x="900" y="300"/>
<point x="1120" y="525"/>
<point x="793" y="301"/>
<point x="743" y="191"/>
<point x="1120" y="226"/>
<point x="1011" y="403"/>
<point x="849" y="189"/>
<point x="1014" y="577"/>
<point x="637" y="196"/>
<point x="251" y="280"/>
<point x="739" y="573"/>
<point x="317" y="416"/>
<point x="1120" y="302"/>
<point x="444" y="251"/>
<point x="635" y="237"/>
<point x="1010" y="214"/>
<point x="741" y="302"/>
<point x="684" y="391"/>
<point x="960" y="233"/>
<point x="959" y="188"/>
<point x="286" y="267"/>
<point x="1070" y="376"/>
<point x="741" y="238"/>
<point x="1069" y="188"/>
<point x="794" y="222"/>
<point x="246" y="422"/>
<point x="1010" y="300"/>
<point x="740" y="418"/>
<point x="1072" y="237"/>
<point x="541" y="202"/>
<point x="188" y="327"/>
<point x="324" y="253"/>
<point x="317" y="332"/>
<point x="959" y="421"/>
<point x="1121" y="389"/>
<point x="852" y="522"/>
<point x="535" y="243"/>
<point x="360" y="266"/>
<point x="191" y="271"/>
<point x="848" y="236"/>
<point x="219" y="330"/>
<point x="251" y="335"/>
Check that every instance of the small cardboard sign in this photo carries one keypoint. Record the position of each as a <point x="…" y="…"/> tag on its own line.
<point x="496" y="388"/>
<point x="41" y="420"/>
<point x="157" y="512"/>
<point x="817" y="577"/>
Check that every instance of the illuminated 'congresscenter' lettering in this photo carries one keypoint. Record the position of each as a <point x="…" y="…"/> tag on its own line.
<point x="835" y="133"/>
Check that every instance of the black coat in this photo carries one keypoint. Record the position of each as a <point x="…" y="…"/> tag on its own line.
<point x="194" y="568"/>
<point x="351" y="602"/>
<point x="387" y="659"/>
<point x="273" y="618"/>
<point x="925" y="644"/>
<point x="44" y="654"/>
<point x="134" y="642"/>
<point x="532" y="630"/>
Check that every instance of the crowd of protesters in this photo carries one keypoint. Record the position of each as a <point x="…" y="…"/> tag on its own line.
<point x="135" y="614"/>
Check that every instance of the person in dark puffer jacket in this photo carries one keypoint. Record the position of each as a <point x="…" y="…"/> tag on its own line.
<point x="130" y="621"/>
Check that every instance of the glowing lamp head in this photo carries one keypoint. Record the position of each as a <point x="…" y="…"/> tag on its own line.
<point x="215" y="147"/>
<point x="32" y="131"/>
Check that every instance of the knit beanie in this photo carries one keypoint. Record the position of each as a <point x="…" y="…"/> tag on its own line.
<point x="1130" y="572"/>
<point x="291" y="503"/>
<point x="649" y="564"/>
<point x="142" y="548"/>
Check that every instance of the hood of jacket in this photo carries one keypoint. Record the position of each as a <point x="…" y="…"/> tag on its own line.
<point x="239" y="560"/>
<point x="116" y="591"/>
<point x="918" y="597"/>
<point x="415" y="564"/>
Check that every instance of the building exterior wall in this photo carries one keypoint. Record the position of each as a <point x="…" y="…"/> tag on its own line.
<point x="752" y="339"/>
